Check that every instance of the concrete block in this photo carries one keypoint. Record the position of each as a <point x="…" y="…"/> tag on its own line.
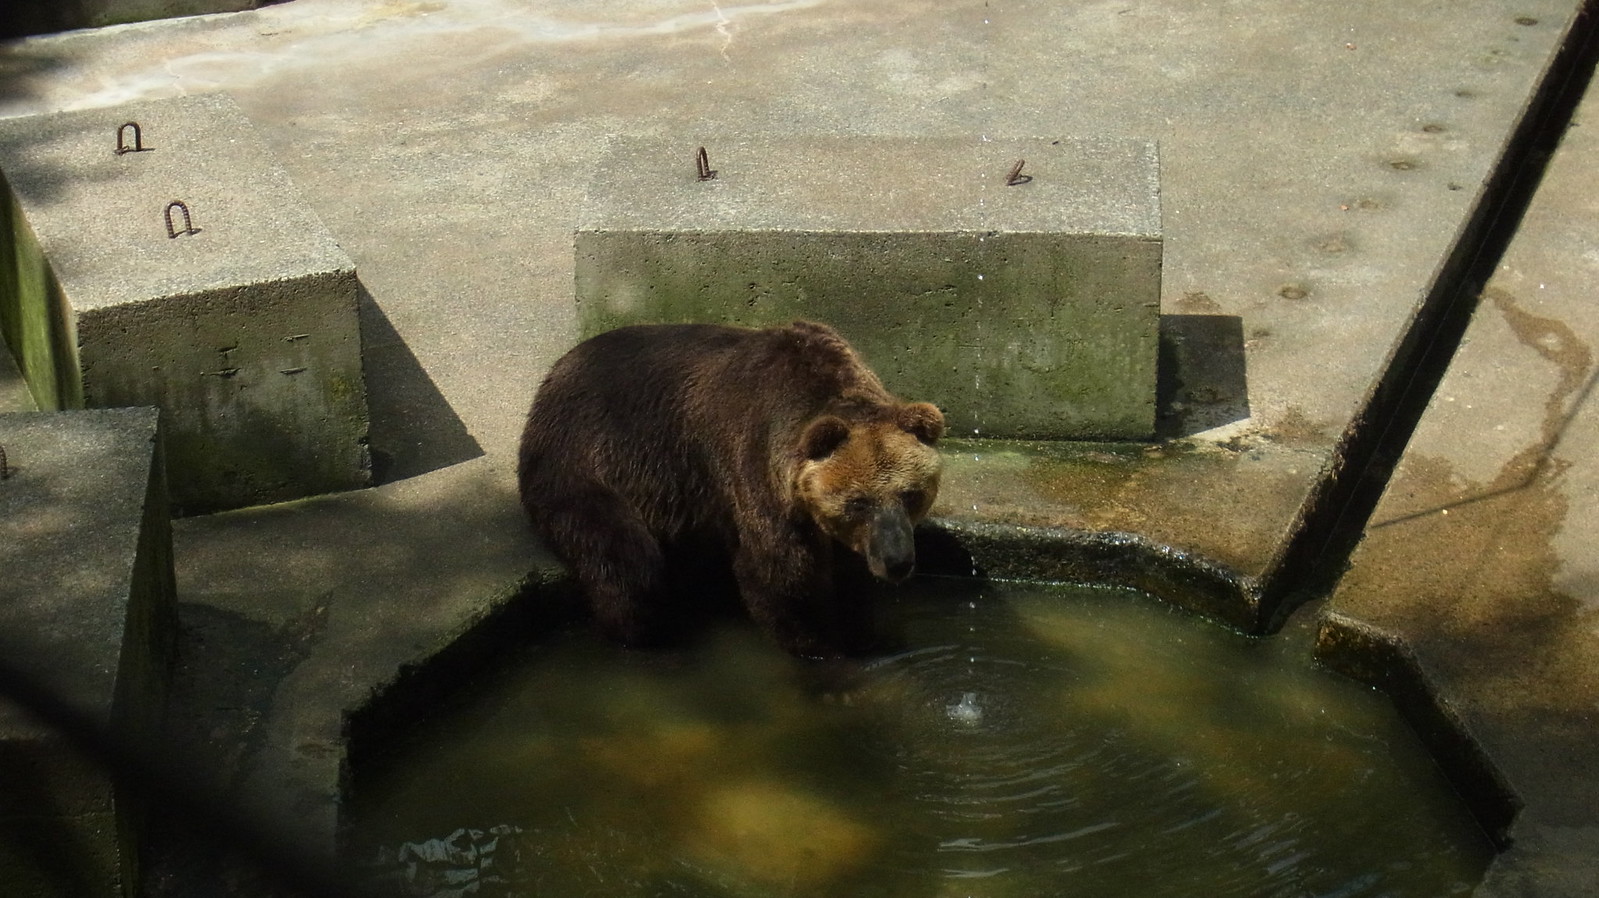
<point x="1026" y="310"/>
<point x="87" y="608"/>
<point x="244" y="333"/>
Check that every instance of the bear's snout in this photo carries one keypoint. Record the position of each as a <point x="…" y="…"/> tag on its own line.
<point x="890" y="547"/>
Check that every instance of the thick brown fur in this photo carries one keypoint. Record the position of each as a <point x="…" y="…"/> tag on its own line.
<point x="657" y="448"/>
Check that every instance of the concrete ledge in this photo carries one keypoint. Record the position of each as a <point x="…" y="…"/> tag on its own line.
<point x="1388" y="664"/>
<point x="1478" y="570"/>
<point x="1025" y="310"/>
<point x="244" y="332"/>
<point x="957" y="548"/>
<point x="331" y="636"/>
<point x="86" y="606"/>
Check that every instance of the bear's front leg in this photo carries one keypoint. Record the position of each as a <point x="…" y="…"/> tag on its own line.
<point x="616" y="560"/>
<point x="786" y="584"/>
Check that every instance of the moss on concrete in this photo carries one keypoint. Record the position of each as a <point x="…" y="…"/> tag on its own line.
<point x="34" y="315"/>
<point x="993" y="328"/>
<point x="1143" y="498"/>
<point x="1026" y="312"/>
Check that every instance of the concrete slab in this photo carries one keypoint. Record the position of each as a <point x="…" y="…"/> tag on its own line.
<point x="302" y="612"/>
<point x="86" y="607"/>
<point x="1027" y="310"/>
<point x="1319" y="162"/>
<point x="1478" y="573"/>
<point x="244" y="332"/>
<point x="1314" y="238"/>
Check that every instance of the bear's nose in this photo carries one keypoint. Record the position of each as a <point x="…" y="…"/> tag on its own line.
<point x="899" y="569"/>
<point x="891" y="550"/>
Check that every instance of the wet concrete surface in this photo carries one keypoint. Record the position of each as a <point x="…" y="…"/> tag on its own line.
<point x="1320" y="163"/>
<point x="1480" y="558"/>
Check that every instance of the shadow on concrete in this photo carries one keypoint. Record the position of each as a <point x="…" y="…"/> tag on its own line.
<point x="227" y="670"/>
<point x="292" y="614"/>
<point x="414" y="430"/>
<point x="42" y="843"/>
<point x="20" y="64"/>
<point x="43" y="181"/>
<point x="1202" y="381"/>
<point x="1543" y="457"/>
<point x="26" y="18"/>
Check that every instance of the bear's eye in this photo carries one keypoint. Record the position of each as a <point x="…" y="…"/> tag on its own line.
<point x="858" y="506"/>
<point x="913" y="498"/>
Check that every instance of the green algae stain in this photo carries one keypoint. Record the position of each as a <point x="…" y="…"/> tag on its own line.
<point x="35" y="318"/>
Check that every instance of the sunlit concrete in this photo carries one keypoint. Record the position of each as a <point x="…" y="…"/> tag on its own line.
<point x="163" y="258"/>
<point x="1319" y="161"/>
<point x="1480" y="562"/>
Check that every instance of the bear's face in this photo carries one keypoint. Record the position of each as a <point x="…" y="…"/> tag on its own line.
<point x="866" y="485"/>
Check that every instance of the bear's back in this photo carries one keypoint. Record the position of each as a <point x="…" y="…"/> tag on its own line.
<point x="668" y="413"/>
<point x="704" y="369"/>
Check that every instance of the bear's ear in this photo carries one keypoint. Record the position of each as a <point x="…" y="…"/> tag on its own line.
<point x="923" y="421"/>
<point x="823" y="437"/>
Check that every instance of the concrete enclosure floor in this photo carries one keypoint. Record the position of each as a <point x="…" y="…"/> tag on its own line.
<point x="1325" y="174"/>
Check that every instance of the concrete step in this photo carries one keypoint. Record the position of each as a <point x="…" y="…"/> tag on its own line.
<point x="158" y="256"/>
<point x="88" y="612"/>
<point x="1026" y="310"/>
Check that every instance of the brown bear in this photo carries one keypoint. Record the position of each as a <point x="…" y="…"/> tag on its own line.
<point x="653" y="449"/>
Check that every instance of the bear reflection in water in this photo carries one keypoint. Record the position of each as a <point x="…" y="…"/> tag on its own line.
<point x="658" y="458"/>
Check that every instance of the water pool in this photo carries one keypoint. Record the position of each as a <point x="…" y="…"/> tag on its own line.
<point x="1027" y="741"/>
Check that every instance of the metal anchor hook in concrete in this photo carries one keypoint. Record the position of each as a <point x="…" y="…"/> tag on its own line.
<point x="1015" y="176"/>
<point x="703" y="162"/>
<point x="138" y="139"/>
<point x="188" y="222"/>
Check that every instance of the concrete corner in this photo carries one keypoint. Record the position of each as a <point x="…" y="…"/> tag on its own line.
<point x="87" y="608"/>
<point x="1025" y="306"/>
<point x="242" y="327"/>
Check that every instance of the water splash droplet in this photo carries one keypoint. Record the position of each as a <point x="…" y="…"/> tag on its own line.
<point x="966" y="711"/>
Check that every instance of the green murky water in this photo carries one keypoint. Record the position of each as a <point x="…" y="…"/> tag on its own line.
<point x="1029" y="741"/>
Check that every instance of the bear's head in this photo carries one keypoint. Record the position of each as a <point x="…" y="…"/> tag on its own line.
<point x="867" y="480"/>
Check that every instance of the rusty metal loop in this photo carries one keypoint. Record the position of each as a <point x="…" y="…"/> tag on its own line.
<point x="138" y="139"/>
<point x="1015" y="176"/>
<point x="702" y="162"/>
<point x="173" y="231"/>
